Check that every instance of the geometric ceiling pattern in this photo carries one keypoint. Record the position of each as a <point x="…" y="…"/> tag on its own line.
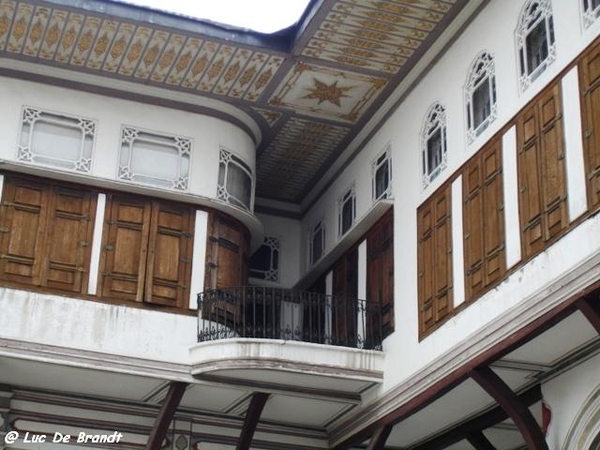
<point x="310" y="89"/>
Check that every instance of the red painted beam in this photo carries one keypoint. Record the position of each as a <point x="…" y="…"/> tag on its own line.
<point x="252" y="415"/>
<point x="165" y="415"/>
<point x="378" y="440"/>
<point x="512" y="404"/>
<point x="480" y="442"/>
<point x="590" y="307"/>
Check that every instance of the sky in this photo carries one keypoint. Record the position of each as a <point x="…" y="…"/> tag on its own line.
<point x="265" y="16"/>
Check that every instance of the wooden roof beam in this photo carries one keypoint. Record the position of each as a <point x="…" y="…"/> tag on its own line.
<point x="480" y="442"/>
<point x="590" y="307"/>
<point x="165" y="415"/>
<point x="516" y="409"/>
<point x="255" y="409"/>
<point x="380" y="437"/>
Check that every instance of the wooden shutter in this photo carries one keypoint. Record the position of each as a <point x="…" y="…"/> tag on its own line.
<point x="344" y="301"/>
<point x="69" y="235"/>
<point x="169" y="255"/>
<point x="425" y="265"/>
<point x="125" y="247"/>
<point x="541" y="171"/>
<point x="473" y="229"/>
<point x="380" y="273"/>
<point x="228" y="254"/>
<point x="442" y="244"/>
<point x="589" y="75"/>
<point x="483" y="223"/>
<point x="494" y="251"/>
<point x="24" y="215"/>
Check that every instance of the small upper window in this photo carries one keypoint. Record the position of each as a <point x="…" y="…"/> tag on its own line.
<point x="155" y="159"/>
<point x="264" y="263"/>
<point x="433" y="143"/>
<point x="382" y="175"/>
<point x="235" y="180"/>
<point x="346" y="211"/>
<point x="317" y="242"/>
<point x="535" y="40"/>
<point x="56" y="140"/>
<point x="591" y="11"/>
<point x="480" y="95"/>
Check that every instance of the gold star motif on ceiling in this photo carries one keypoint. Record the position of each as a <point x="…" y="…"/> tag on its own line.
<point x="327" y="92"/>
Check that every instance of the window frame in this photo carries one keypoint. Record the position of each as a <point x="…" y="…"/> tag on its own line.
<point x="318" y="227"/>
<point x="271" y="275"/>
<point x="227" y="157"/>
<point x="533" y="14"/>
<point x="348" y="196"/>
<point x="590" y="13"/>
<point x="384" y="157"/>
<point x="481" y="72"/>
<point x="30" y="116"/>
<point x="435" y="121"/>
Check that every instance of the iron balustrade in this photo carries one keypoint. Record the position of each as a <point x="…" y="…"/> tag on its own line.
<point x="273" y="313"/>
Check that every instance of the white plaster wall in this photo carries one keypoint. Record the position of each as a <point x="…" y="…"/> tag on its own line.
<point x="289" y="232"/>
<point x="566" y="396"/>
<point x="93" y="326"/>
<point x="492" y="30"/>
<point x="208" y="133"/>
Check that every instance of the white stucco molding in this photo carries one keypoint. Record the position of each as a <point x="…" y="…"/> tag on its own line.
<point x="586" y="426"/>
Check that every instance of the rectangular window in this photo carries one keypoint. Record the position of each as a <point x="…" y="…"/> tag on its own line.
<point x="346" y="211"/>
<point x="147" y="251"/>
<point x="46" y="233"/>
<point x="154" y="159"/>
<point x="56" y="140"/>
<point x="434" y="152"/>
<point x="264" y="263"/>
<point x="317" y="242"/>
<point x="591" y="11"/>
<point x="382" y="176"/>
<point x="235" y="181"/>
<point x="434" y="262"/>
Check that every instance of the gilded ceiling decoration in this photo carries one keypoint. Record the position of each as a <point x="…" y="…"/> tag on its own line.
<point x="309" y="103"/>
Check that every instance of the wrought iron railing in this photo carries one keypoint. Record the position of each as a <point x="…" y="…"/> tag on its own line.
<point x="272" y="313"/>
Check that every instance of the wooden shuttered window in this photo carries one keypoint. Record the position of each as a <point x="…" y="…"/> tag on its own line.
<point x="380" y="273"/>
<point x="147" y="251"/>
<point x="434" y="229"/>
<point x="483" y="220"/>
<point x="589" y="76"/>
<point x="228" y="253"/>
<point x="344" y="302"/>
<point x="46" y="234"/>
<point x="541" y="171"/>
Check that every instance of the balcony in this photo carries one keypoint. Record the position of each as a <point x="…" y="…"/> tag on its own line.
<point x="272" y="313"/>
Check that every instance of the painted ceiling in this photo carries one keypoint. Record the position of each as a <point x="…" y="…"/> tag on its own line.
<point x="311" y="89"/>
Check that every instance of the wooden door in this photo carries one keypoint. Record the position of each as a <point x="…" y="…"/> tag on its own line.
<point x="344" y="299"/>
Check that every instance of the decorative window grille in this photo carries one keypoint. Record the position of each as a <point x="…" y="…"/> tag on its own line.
<point x="381" y="174"/>
<point x="154" y="159"/>
<point x="317" y="242"/>
<point x="264" y="264"/>
<point x="56" y="140"/>
<point x="591" y="11"/>
<point x="535" y="40"/>
<point x="433" y="143"/>
<point x="480" y="95"/>
<point x="346" y="211"/>
<point x="235" y="180"/>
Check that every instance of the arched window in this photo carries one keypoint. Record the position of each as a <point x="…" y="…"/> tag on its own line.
<point x="591" y="11"/>
<point x="535" y="40"/>
<point x="480" y="95"/>
<point x="433" y="143"/>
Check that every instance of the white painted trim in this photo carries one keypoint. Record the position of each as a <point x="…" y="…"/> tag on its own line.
<point x="512" y="226"/>
<point x="328" y="293"/>
<point x="96" y="243"/>
<point x="457" y="243"/>
<point x="198" y="257"/>
<point x="574" y="145"/>
<point x="1" y="185"/>
<point x="362" y="287"/>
